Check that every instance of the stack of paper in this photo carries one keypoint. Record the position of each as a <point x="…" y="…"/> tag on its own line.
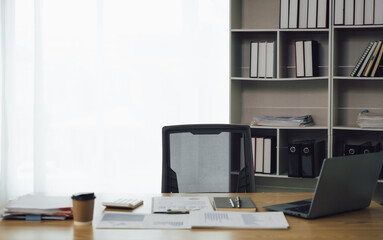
<point x="367" y="119"/>
<point x="196" y="219"/>
<point x="38" y="207"/>
<point x="299" y="121"/>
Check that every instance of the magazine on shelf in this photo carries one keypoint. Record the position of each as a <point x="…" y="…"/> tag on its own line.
<point x="283" y="121"/>
<point x="368" y="119"/>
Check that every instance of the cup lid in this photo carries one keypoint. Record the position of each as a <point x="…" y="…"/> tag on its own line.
<point x="83" y="196"/>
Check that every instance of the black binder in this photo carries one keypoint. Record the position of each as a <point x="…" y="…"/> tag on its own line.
<point x="366" y="148"/>
<point x="312" y="155"/>
<point x="294" y="160"/>
<point x="351" y="149"/>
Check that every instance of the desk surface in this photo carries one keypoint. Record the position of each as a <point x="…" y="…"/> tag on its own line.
<point x="363" y="224"/>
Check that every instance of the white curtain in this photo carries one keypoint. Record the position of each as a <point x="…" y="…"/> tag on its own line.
<point x="87" y="85"/>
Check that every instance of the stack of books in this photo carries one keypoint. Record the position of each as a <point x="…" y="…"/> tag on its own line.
<point x="367" y="119"/>
<point x="368" y="63"/>
<point x="299" y="121"/>
<point x="38" y="207"/>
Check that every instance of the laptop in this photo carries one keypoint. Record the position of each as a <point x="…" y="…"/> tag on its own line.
<point x="345" y="183"/>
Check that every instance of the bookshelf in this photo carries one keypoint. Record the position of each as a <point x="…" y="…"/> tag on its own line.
<point x="332" y="97"/>
<point x="351" y="95"/>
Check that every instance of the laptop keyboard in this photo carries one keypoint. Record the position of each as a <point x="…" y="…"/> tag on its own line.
<point x="301" y="209"/>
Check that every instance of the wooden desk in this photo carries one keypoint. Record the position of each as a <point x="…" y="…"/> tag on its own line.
<point x="363" y="224"/>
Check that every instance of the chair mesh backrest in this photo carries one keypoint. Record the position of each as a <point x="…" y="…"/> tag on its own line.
<point x="201" y="162"/>
<point x="204" y="158"/>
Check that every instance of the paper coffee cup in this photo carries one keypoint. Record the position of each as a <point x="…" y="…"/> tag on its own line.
<point x="83" y="205"/>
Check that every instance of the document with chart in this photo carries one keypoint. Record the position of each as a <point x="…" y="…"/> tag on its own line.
<point x="196" y="219"/>
<point x="259" y="220"/>
<point x="144" y="221"/>
<point x="166" y="204"/>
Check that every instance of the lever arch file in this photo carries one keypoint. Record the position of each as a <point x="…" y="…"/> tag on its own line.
<point x="294" y="160"/>
<point x="312" y="155"/>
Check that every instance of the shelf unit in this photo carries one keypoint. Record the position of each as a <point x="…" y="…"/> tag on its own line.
<point x="332" y="98"/>
<point x="351" y="95"/>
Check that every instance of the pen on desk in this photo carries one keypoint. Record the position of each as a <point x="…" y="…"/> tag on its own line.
<point x="169" y="211"/>
<point x="183" y="211"/>
<point x="238" y="200"/>
<point x="231" y="202"/>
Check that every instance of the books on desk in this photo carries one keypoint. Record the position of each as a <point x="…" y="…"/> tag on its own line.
<point x="38" y="207"/>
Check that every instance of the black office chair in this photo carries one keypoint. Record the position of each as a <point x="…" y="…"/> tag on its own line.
<point x="207" y="158"/>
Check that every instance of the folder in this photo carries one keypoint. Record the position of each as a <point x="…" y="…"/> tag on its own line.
<point x="270" y="59"/>
<point x="269" y="155"/>
<point x="254" y="59"/>
<point x="310" y="58"/>
<point x="259" y="155"/>
<point x="303" y="13"/>
<point x="312" y="155"/>
<point x="262" y="59"/>
<point x="299" y="59"/>
<point x="378" y="15"/>
<point x="322" y="15"/>
<point x="351" y="149"/>
<point x="293" y="14"/>
<point x="253" y="150"/>
<point x="312" y="14"/>
<point x="348" y="12"/>
<point x="284" y="14"/>
<point x="366" y="148"/>
<point x="358" y="12"/>
<point x="339" y="12"/>
<point x="294" y="160"/>
<point x="369" y="12"/>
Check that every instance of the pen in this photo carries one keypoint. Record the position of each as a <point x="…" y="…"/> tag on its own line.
<point x="169" y="211"/>
<point x="238" y="200"/>
<point x="231" y="202"/>
<point x="181" y="211"/>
